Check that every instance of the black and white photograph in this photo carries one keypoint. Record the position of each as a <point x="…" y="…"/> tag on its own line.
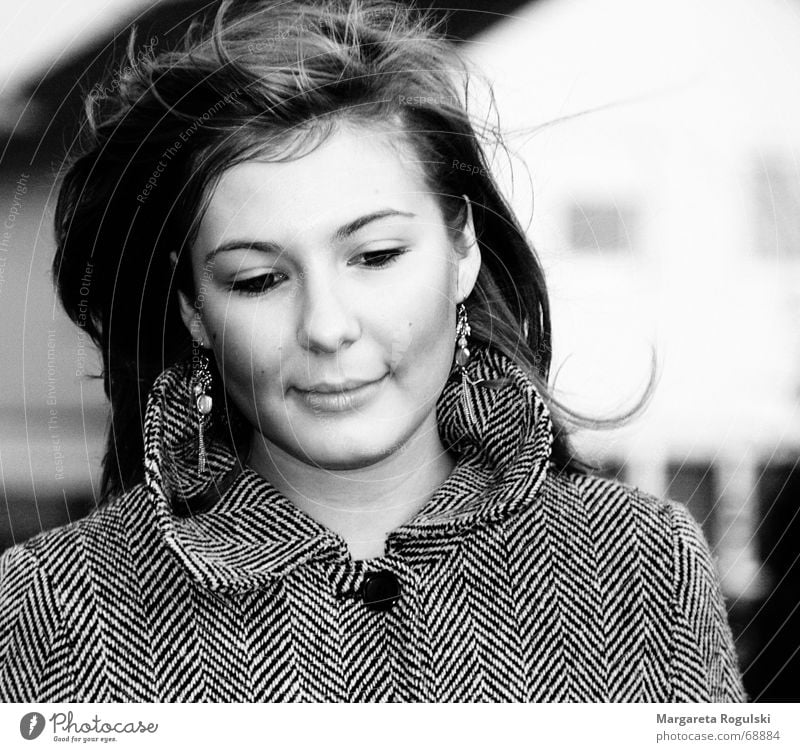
<point x="373" y="351"/>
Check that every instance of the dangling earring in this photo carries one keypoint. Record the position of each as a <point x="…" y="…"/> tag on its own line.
<point x="201" y="383"/>
<point x="463" y="330"/>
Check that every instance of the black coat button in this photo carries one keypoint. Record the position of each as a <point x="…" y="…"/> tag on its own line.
<point x="380" y="590"/>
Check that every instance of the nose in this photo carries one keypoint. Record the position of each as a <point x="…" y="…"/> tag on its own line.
<point x="327" y="320"/>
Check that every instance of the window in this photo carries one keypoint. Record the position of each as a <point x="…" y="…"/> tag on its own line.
<point x="694" y="484"/>
<point x="774" y="628"/>
<point x="600" y="226"/>
<point x="777" y="208"/>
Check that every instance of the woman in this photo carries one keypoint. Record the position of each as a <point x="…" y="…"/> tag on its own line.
<point x="334" y="470"/>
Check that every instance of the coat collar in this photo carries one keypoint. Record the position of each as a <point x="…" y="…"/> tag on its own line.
<point x="233" y="531"/>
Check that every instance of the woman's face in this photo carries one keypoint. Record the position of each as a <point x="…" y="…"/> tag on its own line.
<point x="327" y="288"/>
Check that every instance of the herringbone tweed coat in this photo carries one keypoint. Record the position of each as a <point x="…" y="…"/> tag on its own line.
<point x="517" y="583"/>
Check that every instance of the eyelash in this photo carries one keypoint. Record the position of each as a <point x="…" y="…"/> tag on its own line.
<point x="390" y="254"/>
<point x="255" y="285"/>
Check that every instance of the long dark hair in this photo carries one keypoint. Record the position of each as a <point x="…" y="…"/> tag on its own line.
<point x="272" y="80"/>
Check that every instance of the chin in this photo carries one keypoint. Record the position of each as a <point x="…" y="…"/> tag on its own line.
<point x="344" y="452"/>
<point x="344" y="464"/>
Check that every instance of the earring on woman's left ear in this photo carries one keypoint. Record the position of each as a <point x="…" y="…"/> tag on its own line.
<point x="200" y="385"/>
<point x="463" y="354"/>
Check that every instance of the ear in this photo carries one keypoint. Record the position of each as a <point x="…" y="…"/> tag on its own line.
<point x="469" y="257"/>
<point x="189" y="313"/>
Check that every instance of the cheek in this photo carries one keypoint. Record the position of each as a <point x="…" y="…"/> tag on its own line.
<point x="249" y="350"/>
<point x="421" y="337"/>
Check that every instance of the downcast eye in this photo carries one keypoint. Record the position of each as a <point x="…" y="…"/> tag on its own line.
<point x="258" y="285"/>
<point x="378" y="259"/>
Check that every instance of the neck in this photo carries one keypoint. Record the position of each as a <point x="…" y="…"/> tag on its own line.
<point x="363" y="505"/>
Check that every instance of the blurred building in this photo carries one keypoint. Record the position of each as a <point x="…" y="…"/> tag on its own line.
<point x="654" y="146"/>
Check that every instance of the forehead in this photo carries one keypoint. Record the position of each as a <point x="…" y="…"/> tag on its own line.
<point x="354" y="171"/>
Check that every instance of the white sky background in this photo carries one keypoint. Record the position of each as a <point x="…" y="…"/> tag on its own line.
<point x="41" y="33"/>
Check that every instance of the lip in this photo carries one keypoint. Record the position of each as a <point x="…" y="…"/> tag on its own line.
<point x="344" y="386"/>
<point x="346" y="395"/>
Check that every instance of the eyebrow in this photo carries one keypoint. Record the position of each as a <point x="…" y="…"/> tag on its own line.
<point x="342" y="233"/>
